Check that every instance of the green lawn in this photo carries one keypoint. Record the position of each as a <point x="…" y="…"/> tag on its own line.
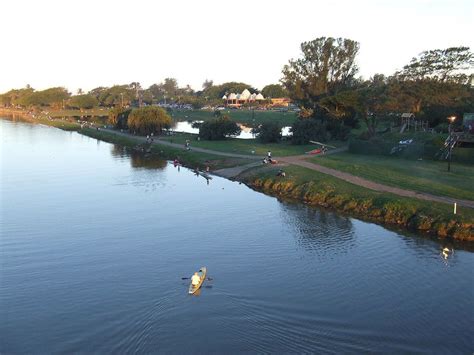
<point x="241" y="116"/>
<point x="242" y="146"/>
<point x="426" y="175"/>
<point x="322" y="183"/>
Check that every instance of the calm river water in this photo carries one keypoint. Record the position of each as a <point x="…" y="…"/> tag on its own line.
<point x="95" y="241"/>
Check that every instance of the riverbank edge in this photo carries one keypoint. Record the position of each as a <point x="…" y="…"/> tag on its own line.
<point x="386" y="209"/>
<point x="31" y="117"/>
<point x="381" y="208"/>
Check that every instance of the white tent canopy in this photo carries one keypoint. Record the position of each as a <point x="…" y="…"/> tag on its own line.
<point x="246" y="95"/>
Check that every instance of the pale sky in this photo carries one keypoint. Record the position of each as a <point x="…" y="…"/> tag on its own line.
<point x="90" y="43"/>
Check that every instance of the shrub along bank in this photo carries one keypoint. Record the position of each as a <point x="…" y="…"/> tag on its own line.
<point x="322" y="190"/>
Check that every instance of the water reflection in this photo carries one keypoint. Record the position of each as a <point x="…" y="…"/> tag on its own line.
<point x="318" y="231"/>
<point x="427" y="247"/>
<point x="141" y="160"/>
<point x="138" y="159"/>
<point x="118" y="151"/>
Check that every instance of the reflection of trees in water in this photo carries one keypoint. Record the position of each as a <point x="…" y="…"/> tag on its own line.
<point x="317" y="230"/>
<point x="138" y="159"/>
<point x="147" y="169"/>
<point x="118" y="151"/>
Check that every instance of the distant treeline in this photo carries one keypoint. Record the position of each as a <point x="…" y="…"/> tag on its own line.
<point x="323" y="82"/>
<point x="132" y="95"/>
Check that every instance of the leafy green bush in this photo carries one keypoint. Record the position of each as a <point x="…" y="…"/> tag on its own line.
<point x="337" y="129"/>
<point x="150" y="119"/>
<point x="118" y="117"/>
<point x="268" y="132"/>
<point x="218" y="129"/>
<point x="307" y="129"/>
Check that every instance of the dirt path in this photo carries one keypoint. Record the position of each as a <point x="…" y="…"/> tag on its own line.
<point x="299" y="160"/>
<point x="235" y="171"/>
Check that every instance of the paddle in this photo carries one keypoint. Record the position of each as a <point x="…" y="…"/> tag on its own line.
<point x="187" y="278"/>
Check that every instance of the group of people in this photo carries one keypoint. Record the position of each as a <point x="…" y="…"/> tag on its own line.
<point x="268" y="158"/>
<point x="149" y="138"/>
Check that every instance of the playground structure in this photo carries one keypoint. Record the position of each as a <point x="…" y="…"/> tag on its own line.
<point x="409" y="122"/>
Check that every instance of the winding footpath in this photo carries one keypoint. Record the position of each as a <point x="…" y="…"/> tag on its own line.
<point x="300" y="160"/>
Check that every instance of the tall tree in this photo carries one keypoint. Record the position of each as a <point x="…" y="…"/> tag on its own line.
<point x="53" y="97"/>
<point x="117" y="95"/>
<point x="170" y="87"/>
<point x="452" y="64"/>
<point x="327" y="66"/>
<point x="83" y="101"/>
<point x="207" y="84"/>
<point x="136" y="87"/>
<point x="274" y="90"/>
<point x="436" y="82"/>
<point x="156" y="91"/>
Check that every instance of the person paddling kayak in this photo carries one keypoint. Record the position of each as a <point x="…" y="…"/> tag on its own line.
<point x="195" y="279"/>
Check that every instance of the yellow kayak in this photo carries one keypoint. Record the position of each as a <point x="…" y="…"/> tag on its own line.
<point x="202" y="275"/>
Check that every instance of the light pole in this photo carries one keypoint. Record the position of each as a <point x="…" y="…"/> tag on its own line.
<point x="451" y="120"/>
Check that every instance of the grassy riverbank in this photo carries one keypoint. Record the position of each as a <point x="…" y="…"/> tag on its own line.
<point x="419" y="175"/>
<point x="323" y="190"/>
<point x="316" y="188"/>
<point x="64" y="124"/>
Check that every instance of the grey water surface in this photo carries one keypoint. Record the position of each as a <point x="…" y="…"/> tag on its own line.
<point x="95" y="240"/>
